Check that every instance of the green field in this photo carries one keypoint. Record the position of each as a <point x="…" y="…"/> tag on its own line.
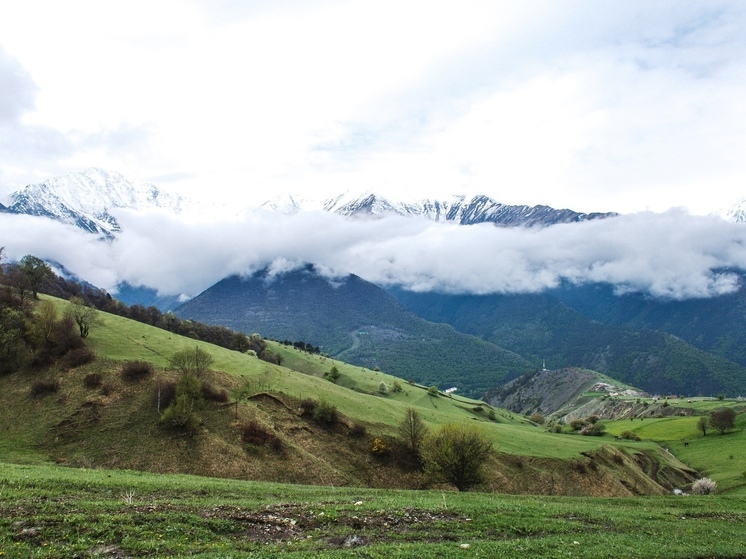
<point x="50" y="512"/>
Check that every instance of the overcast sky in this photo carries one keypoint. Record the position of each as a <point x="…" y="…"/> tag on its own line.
<point x="595" y="106"/>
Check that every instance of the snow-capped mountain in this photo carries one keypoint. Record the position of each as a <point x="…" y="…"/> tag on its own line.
<point x="736" y="212"/>
<point x="458" y="209"/>
<point x="85" y="199"/>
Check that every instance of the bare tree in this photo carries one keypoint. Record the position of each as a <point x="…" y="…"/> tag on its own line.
<point x="83" y="314"/>
<point x="413" y="431"/>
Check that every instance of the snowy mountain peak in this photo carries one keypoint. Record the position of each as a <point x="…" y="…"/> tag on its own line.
<point x="736" y="212"/>
<point x="460" y="209"/>
<point x="85" y="199"/>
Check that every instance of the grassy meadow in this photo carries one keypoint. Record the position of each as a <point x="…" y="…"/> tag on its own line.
<point x="125" y="492"/>
<point x="50" y="512"/>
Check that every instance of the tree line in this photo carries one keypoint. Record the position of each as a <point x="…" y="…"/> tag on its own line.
<point x="22" y="281"/>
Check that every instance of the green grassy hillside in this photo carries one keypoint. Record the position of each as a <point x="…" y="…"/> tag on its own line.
<point x="115" y="424"/>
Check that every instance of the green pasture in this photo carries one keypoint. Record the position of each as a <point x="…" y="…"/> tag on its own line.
<point x="50" y="512"/>
<point x="720" y="457"/>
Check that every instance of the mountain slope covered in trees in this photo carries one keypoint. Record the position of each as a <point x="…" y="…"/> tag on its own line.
<point x="543" y="329"/>
<point x="356" y="321"/>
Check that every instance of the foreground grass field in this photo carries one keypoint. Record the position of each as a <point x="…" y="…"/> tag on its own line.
<point x="49" y="512"/>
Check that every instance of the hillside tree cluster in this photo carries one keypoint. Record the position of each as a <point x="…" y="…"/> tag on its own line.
<point x="22" y="281"/>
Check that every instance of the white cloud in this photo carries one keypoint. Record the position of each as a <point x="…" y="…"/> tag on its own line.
<point x="671" y="255"/>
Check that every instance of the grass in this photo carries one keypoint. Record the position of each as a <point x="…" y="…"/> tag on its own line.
<point x="117" y="425"/>
<point x="721" y="457"/>
<point x="47" y="511"/>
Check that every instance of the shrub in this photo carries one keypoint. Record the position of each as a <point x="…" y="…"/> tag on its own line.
<point x="44" y="387"/>
<point x="379" y="447"/>
<point x="593" y="430"/>
<point x="182" y="412"/>
<point x="455" y="453"/>
<point x="433" y="391"/>
<point x="333" y="374"/>
<point x="79" y="357"/>
<point x="537" y="418"/>
<point x="214" y="394"/>
<point x="491" y="415"/>
<point x="136" y="370"/>
<point x="383" y="388"/>
<point x="396" y="387"/>
<point x="325" y="413"/>
<point x="577" y="424"/>
<point x="629" y="435"/>
<point x="703" y="486"/>
<point x="307" y="405"/>
<point x="93" y="380"/>
<point x="256" y="434"/>
<point x="556" y="428"/>
<point x="358" y="430"/>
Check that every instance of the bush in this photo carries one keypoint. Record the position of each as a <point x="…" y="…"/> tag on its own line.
<point x="455" y="453"/>
<point x="307" y="405"/>
<point x="214" y="394"/>
<point x="333" y="374"/>
<point x="379" y="447"/>
<point x="44" y="387"/>
<point x="629" y="435"/>
<point x="256" y="434"/>
<point x="703" y="486"/>
<point x="383" y="388"/>
<point x="136" y="370"/>
<point x="325" y="413"/>
<point x="182" y="412"/>
<point x="93" y="380"/>
<point x="79" y="357"/>
<point x="577" y="424"/>
<point x="433" y="391"/>
<point x="537" y="418"/>
<point x="358" y="430"/>
<point x="593" y="430"/>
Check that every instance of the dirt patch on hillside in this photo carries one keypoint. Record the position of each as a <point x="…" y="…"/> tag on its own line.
<point x="337" y="529"/>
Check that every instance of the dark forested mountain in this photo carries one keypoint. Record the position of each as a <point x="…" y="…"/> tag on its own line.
<point x="716" y="324"/>
<point x="543" y="329"/>
<point x="358" y="322"/>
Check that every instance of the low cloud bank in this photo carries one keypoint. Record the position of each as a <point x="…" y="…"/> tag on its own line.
<point x="672" y="255"/>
